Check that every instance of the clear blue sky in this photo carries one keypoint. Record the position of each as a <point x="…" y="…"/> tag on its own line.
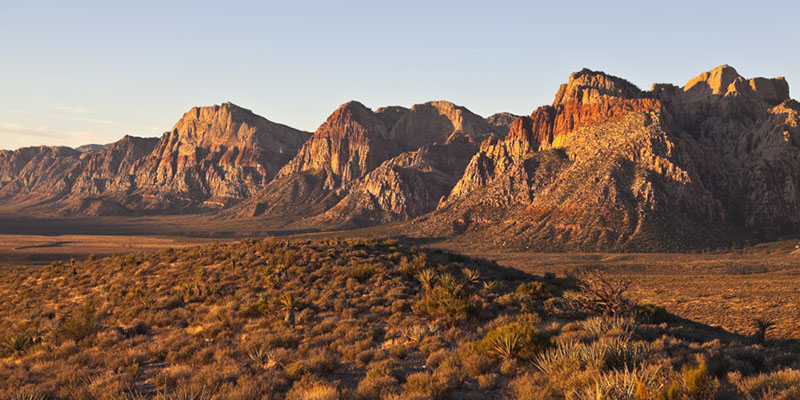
<point x="76" y="72"/>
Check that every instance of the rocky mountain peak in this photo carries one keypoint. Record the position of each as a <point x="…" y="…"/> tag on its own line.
<point x="437" y="122"/>
<point x="587" y="86"/>
<point x="226" y="124"/>
<point x="390" y="115"/>
<point x="349" y="144"/>
<point x="718" y="80"/>
<point x="501" y="122"/>
<point x="724" y="81"/>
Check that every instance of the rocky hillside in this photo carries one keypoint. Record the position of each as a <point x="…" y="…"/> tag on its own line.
<point x="606" y="166"/>
<point x="609" y="166"/>
<point x="363" y="167"/>
<point x="439" y="138"/>
<point x="213" y="156"/>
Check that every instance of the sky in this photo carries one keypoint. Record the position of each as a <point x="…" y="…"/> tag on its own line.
<point x="79" y="72"/>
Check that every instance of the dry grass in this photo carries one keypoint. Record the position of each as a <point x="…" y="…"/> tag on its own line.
<point x="729" y="290"/>
<point x="353" y="319"/>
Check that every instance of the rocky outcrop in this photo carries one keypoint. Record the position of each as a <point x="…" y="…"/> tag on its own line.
<point x="606" y="166"/>
<point x="33" y="173"/>
<point x="501" y="122"/>
<point x="440" y="138"/>
<point x="349" y="144"/>
<point x="587" y="86"/>
<point x="609" y="166"/>
<point x="213" y="157"/>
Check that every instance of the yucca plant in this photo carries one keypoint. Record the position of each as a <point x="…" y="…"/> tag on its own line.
<point x="514" y="340"/>
<point x="261" y="356"/>
<point x="427" y="277"/>
<point x="492" y="286"/>
<point x="506" y="345"/>
<point x="289" y="305"/>
<point x="16" y="342"/>
<point x="549" y="360"/>
<point x="146" y="300"/>
<point x="471" y="275"/>
<point x="622" y="384"/>
<point x="450" y="284"/>
<point x="26" y="396"/>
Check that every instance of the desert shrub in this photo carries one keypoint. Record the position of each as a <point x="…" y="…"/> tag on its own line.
<point x="626" y="384"/>
<point x="698" y="382"/>
<point x="310" y="387"/>
<point x="26" y="395"/>
<point x="362" y="272"/>
<point x="603" y="354"/>
<point x="599" y="293"/>
<point x="531" y="386"/>
<point x="514" y="340"/>
<point x="16" y="343"/>
<point x="410" y="267"/>
<point x="416" y="333"/>
<point x="602" y="325"/>
<point x="380" y="381"/>
<point x="535" y="289"/>
<point x="262" y="307"/>
<point x="653" y="313"/>
<point x="422" y="385"/>
<point x="779" y="385"/>
<point x="77" y="325"/>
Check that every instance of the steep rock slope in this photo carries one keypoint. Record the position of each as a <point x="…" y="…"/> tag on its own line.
<point x="440" y="138"/>
<point x="347" y="146"/>
<point x="213" y="157"/>
<point x="608" y="166"/>
<point x="33" y="173"/>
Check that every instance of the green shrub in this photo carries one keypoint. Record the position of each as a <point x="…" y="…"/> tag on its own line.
<point x="536" y="290"/>
<point x="441" y="302"/>
<point x="514" y="340"/>
<point x="699" y="383"/>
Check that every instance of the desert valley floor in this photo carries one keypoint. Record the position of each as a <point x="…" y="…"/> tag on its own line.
<point x="726" y="288"/>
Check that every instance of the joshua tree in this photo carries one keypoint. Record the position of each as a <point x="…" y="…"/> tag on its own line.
<point x="762" y="326"/>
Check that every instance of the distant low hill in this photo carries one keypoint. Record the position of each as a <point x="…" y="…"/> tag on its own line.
<point x="607" y="166"/>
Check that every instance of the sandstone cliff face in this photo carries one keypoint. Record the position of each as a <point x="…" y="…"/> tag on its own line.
<point x="345" y="148"/>
<point x="36" y="172"/>
<point x="213" y="156"/>
<point x="59" y="178"/>
<point x="749" y="128"/>
<point x="439" y="138"/>
<point x="608" y="166"/>
<point x="349" y="144"/>
<point x="501" y="122"/>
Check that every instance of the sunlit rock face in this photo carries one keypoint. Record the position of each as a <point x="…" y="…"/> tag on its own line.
<point x="609" y="166"/>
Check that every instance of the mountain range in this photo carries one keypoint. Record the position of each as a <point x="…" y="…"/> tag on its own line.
<point x="606" y="166"/>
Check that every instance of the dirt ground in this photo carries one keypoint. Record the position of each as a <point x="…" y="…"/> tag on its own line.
<point x="39" y="250"/>
<point x="729" y="290"/>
